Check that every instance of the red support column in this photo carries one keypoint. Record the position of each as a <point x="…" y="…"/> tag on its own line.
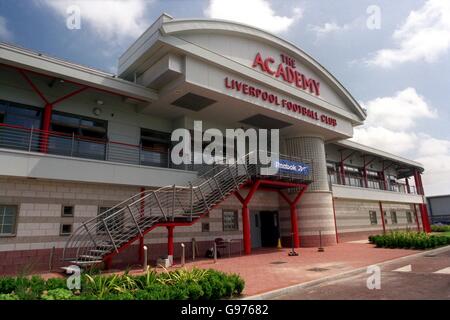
<point x="293" y="210"/>
<point x="46" y="121"/>
<point x="246" y="216"/>
<point x="294" y="226"/>
<point x="408" y="189"/>
<point x="334" y="217"/>
<point x="422" y="206"/>
<point x="382" y="217"/>
<point x="170" y="243"/>
<point x="246" y="229"/>
<point x="47" y="115"/>
<point x="416" y="217"/>
<point x="108" y="262"/>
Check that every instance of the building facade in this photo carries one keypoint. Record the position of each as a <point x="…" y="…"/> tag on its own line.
<point x="439" y="208"/>
<point x="85" y="156"/>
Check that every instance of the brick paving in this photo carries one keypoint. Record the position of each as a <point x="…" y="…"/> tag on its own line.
<point x="271" y="269"/>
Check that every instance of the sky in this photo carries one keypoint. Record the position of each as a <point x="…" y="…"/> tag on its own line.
<point x="393" y="56"/>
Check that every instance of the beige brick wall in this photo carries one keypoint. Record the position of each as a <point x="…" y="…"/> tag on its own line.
<point x="40" y="204"/>
<point x="353" y="216"/>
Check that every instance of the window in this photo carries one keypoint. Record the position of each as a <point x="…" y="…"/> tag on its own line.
<point x="353" y="176"/>
<point x="409" y="217"/>
<point x="8" y="220"/>
<point x="91" y="135"/>
<point x="394" y="217"/>
<point x="114" y="224"/>
<point x="67" y="211"/>
<point x="385" y="217"/>
<point x="230" y="220"/>
<point x="155" y="148"/>
<point x="23" y="116"/>
<point x="66" y="229"/>
<point x="20" y="115"/>
<point x="332" y="173"/>
<point x="205" y="227"/>
<point x="373" y="217"/>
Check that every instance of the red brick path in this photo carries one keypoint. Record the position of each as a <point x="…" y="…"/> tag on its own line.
<point x="261" y="275"/>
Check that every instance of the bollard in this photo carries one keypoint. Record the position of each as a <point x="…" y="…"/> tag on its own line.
<point x="292" y="253"/>
<point x="50" y="262"/>
<point x="320" y="242"/>
<point x="182" y="254"/>
<point x="145" y="258"/>
<point x="215" y="252"/>
<point x="193" y="249"/>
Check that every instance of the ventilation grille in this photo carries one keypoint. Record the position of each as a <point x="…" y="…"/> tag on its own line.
<point x="193" y="102"/>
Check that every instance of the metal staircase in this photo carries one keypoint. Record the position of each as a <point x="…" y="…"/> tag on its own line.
<point x="115" y="229"/>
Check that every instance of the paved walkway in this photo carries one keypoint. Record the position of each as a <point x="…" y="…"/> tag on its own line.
<point x="270" y="269"/>
<point x="425" y="276"/>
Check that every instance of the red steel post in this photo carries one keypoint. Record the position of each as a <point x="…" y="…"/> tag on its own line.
<point x="382" y="217"/>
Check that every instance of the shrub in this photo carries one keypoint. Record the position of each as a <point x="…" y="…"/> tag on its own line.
<point x="180" y="284"/>
<point x="408" y="240"/>
<point x="8" y="296"/>
<point x="440" y="228"/>
<point x="55" y="283"/>
<point x="57" y="294"/>
<point x="7" y="285"/>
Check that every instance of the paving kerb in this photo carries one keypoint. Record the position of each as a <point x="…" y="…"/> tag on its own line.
<point x="278" y="292"/>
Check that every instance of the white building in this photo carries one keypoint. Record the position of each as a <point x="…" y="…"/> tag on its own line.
<point x="74" y="142"/>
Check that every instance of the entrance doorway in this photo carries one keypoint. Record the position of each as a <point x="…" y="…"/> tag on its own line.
<point x="265" y="229"/>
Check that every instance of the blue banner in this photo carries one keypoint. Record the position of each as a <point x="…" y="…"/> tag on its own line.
<point x="292" y="167"/>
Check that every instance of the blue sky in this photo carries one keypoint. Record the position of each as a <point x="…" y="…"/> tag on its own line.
<point x="400" y="71"/>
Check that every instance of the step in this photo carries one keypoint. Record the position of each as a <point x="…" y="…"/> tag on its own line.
<point x="86" y="256"/>
<point x="98" y="251"/>
<point x="85" y="263"/>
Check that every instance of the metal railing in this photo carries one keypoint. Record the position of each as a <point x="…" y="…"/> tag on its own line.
<point x="126" y="221"/>
<point x="71" y="145"/>
<point x="377" y="184"/>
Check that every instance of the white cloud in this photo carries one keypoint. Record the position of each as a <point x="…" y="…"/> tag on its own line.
<point x="5" y="33"/>
<point x="392" y="126"/>
<point x="111" y="19"/>
<point x="397" y="142"/>
<point x="257" y="13"/>
<point x="425" y="35"/>
<point x="399" y="112"/>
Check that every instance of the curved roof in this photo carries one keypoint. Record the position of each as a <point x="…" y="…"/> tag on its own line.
<point x="174" y="26"/>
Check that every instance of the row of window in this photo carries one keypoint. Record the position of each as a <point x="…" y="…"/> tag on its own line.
<point x="91" y="134"/>
<point x="8" y="220"/>
<point x="393" y="215"/>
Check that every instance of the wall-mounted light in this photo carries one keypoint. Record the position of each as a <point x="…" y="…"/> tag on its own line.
<point x="97" y="111"/>
<point x="100" y="102"/>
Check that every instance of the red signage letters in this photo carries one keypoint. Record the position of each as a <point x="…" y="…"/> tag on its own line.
<point x="286" y="70"/>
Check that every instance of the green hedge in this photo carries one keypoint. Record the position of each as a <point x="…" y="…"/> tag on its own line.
<point x="409" y="240"/>
<point x="180" y="284"/>
<point x="440" y="228"/>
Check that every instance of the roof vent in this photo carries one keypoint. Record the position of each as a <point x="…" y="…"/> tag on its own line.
<point x="262" y="121"/>
<point x="193" y="102"/>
